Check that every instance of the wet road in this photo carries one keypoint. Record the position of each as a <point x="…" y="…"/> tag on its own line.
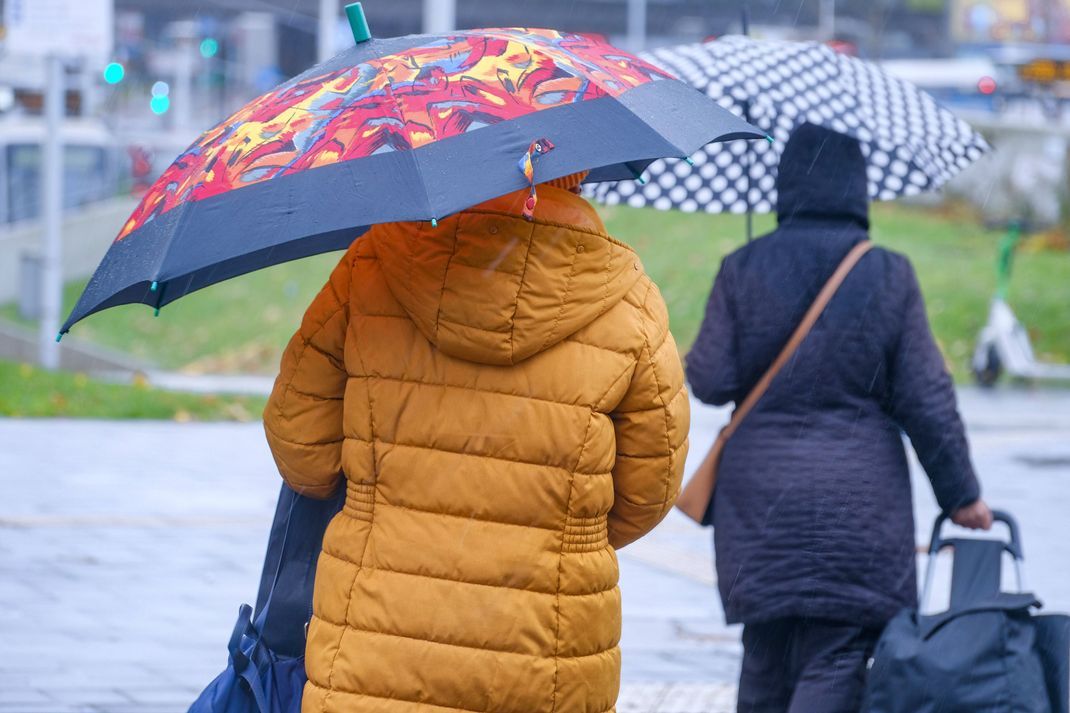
<point x="125" y="549"/>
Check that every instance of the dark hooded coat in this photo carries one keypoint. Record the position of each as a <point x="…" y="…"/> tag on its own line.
<point x="813" y="513"/>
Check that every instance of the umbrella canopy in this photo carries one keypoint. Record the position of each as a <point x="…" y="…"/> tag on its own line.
<point x="911" y="143"/>
<point x="410" y="128"/>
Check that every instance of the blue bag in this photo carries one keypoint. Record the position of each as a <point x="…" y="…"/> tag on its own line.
<point x="988" y="653"/>
<point x="266" y="669"/>
<point x="256" y="679"/>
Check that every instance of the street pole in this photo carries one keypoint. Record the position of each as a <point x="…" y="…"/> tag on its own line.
<point x="327" y="29"/>
<point x="636" y="25"/>
<point x="185" y="33"/>
<point x="440" y="16"/>
<point x="827" y="19"/>
<point x="52" y="214"/>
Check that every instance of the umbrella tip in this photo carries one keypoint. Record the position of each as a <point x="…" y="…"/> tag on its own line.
<point x="358" y="23"/>
<point x="156" y="312"/>
<point x="769" y="138"/>
<point x="59" y="336"/>
<point x="690" y="161"/>
<point x="640" y="180"/>
<point x="154" y="285"/>
<point x="434" y="222"/>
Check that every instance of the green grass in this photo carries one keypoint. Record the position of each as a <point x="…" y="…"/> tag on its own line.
<point x="953" y="256"/>
<point x="26" y="391"/>
<point x="242" y="325"/>
<point x="236" y="326"/>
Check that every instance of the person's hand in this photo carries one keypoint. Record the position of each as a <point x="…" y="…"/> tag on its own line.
<point x="975" y="516"/>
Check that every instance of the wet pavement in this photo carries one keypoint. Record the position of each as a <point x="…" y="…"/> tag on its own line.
<point x="126" y="548"/>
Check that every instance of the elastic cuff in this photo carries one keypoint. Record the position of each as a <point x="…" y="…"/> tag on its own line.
<point x="970" y="494"/>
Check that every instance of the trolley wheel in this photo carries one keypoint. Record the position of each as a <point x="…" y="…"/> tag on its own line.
<point x="988" y="374"/>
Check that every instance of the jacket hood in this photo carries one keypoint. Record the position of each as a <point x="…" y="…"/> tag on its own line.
<point x="822" y="177"/>
<point x="488" y="286"/>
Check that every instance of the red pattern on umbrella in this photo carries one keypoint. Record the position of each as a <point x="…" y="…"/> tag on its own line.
<point x="450" y="86"/>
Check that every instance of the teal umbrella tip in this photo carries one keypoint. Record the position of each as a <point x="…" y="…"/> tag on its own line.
<point x="690" y="161"/>
<point x="358" y="23"/>
<point x="434" y="222"/>
<point x="59" y="336"/>
<point x="769" y="138"/>
<point x="154" y="285"/>
<point x="640" y="180"/>
<point x="156" y="312"/>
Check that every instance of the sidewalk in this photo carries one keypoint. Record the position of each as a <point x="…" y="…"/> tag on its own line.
<point x="126" y="548"/>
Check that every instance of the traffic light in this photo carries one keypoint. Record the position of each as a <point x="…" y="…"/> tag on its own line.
<point x="114" y="73"/>
<point x="160" y="101"/>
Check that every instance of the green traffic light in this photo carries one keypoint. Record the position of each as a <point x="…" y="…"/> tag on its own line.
<point x="209" y="47"/>
<point x="114" y="73"/>
<point x="160" y="104"/>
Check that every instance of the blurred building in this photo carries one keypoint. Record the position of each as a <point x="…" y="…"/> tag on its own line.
<point x="995" y="22"/>
<point x="874" y="27"/>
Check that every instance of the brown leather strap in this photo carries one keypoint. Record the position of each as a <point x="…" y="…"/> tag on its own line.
<point x="797" y="337"/>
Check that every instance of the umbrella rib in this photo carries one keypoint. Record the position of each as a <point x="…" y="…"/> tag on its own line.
<point x="167" y="254"/>
<point x="411" y="150"/>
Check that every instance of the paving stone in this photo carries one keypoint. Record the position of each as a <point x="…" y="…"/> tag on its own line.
<point x="641" y="697"/>
<point x="698" y="698"/>
<point x="19" y="693"/>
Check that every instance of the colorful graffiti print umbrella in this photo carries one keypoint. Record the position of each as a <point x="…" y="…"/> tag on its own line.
<point x="410" y="128"/>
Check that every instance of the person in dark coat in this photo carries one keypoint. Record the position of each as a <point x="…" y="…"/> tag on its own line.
<point x="813" y="521"/>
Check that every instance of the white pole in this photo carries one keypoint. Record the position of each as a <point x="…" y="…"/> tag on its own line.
<point x="440" y="16"/>
<point x="182" y="100"/>
<point x="827" y="19"/>
<point x="636" y="25"/>
<point x="52" y="214"/>
<point x="328" y="28"/>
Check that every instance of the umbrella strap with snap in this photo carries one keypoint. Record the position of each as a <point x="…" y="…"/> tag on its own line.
<point x="538" y="148"/>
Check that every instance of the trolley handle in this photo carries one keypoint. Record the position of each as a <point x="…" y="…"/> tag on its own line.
<point x="1014" y="545"/>
<point x="936" y="543"/>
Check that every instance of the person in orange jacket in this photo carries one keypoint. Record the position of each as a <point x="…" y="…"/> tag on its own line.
<point x="507" y="407"/>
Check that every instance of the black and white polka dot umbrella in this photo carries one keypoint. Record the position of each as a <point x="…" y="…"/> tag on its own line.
<point x="911" y="143"/>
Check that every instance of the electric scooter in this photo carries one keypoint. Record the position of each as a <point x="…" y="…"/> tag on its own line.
<point x="1003" y="344"/>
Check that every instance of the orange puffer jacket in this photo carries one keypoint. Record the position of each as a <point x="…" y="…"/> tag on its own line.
<point x="507" y="406"/>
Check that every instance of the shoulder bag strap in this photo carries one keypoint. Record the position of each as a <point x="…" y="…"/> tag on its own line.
<point x="797" y="337"/>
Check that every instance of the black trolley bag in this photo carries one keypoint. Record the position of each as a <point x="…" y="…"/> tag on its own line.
<point x="988" y="653"/>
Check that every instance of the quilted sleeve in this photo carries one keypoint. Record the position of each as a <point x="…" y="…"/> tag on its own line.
<point x="922" y="401"/>
<point x="303" y="417"/>
<point x="651" y="425"/>
<point x="713" y="363"/>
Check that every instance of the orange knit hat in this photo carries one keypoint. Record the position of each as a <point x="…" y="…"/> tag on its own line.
<point x="570" y="182"/>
